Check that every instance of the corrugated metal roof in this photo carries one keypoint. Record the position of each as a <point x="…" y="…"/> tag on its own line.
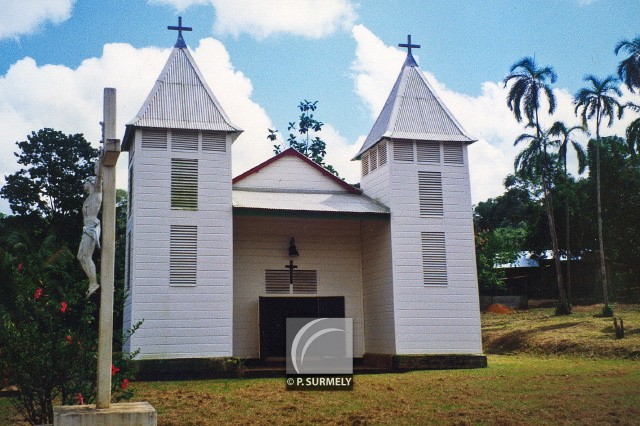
<point x="414" y="111"/>
<point x="307" y="201"/>
<point x="181" y="99"/>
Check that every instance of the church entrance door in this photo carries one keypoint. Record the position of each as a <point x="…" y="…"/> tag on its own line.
<point x="274" y="312"/>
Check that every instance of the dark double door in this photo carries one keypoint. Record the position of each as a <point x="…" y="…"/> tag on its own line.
<point x="274" y="312"/>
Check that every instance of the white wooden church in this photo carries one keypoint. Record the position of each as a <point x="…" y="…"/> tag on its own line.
<point x="215" y="264"/>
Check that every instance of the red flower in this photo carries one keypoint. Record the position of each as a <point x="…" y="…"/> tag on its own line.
<point x="20" y="267"/>
<point x="63" y="307"/>
<point x="69" y="340"/>
<point x="79" y="399"/>
<point x="125" y="383"/>
<point x="37" y="294"/>
<point x="114" y="370"/>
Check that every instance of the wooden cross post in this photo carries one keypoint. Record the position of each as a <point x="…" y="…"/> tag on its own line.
<point x="108" y="160"/>
<point x="291" y="267"/>
<point x="180" y="43"/>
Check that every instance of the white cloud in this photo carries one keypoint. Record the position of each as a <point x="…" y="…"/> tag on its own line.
<point x="20" y="17"/>
<point x="261" y="19"/>
<point x="70" y="100"/>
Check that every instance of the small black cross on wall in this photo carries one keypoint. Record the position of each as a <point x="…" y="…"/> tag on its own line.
<point x="180" y="29"/>
<point x="408" y="45"/>
<point x="291" y="267"/>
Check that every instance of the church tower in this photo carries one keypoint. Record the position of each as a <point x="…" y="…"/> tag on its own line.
<point x="179" y="269"/>
<point x="415" y="161"/>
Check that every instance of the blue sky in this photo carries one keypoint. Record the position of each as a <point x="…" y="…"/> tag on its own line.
<point x="262" y="58"/>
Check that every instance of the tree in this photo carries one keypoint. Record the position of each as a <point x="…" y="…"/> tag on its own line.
<point x="629" y="73"/>
<point x="629" y="68"/>
<point x="528" y="85"/>
<point x="599" y="101"/>
<point x="51" y="183"/>
<point x="560" y="129"/>
<point x="312" y="147"/>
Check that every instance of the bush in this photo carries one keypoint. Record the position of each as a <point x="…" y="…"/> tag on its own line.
<point x="48" y="334"/>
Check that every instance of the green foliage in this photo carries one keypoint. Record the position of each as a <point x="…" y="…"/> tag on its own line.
<point x="49" y="187"/>
<point x="496" y="247"/>
<point x="629" y="68"/>
<point x="306" y="141"/>
<point x="607" y="311"/>
<point x="48" y="333"/>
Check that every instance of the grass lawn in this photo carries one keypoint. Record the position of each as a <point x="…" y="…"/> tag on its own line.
<point x="592" y="378"/>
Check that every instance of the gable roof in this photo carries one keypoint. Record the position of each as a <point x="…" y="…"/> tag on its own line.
<point x="414" y="111"/>
<point x="181" y="99"/>
<point x="290" y="152"/>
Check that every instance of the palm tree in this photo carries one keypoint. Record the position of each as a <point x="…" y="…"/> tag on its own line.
<point x="629" y="72"/>
<point x="529" y="83"/>
<point x="629" y="69"/>
<point x="559" y="129"/>
<point x="599" y="101"/>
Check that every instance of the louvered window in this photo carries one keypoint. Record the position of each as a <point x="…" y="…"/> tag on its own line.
<point x="128" y="266"/>
<point x="183" y="255"/>
<point x="428" y="152"/>
<point x="154" y="139"/>
<point x="214" y="142"/>
<point x="403" y="151"/>
<point x="184" y="183"/>
<point x="130" y="206"/>
<point x="365" y="164"/>
<point x="434" y="259"/>
<point x="430" y="193"/>
<point x="278" y="282"/>
<point x="382" y="153"/>
<point x="373" y="159"/>
<point x="184" y="140"/>
<point x="453" y="153"/>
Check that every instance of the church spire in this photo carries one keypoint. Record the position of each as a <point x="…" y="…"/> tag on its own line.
<point x="180" y="44"/>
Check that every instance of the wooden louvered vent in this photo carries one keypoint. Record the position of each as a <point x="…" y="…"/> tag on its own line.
<point x="434" y="259"/>
<point x="453" y="153"/>
<point x="184" y="140"/>
<point x="183" y="255"/>
<point x="129" y="254"/>
<point x="430" y="193"/>
<point x="277" y="281"/>
<point x="403" y="151"/>
<point x="184" y="183"/>
<point x="154" y="139"/>
<point x="373" y="159"/>
<point x="428" y="152"/>
<point x="214" y="142"/>
<point x="365" y="164"/>
<point x="382" y="153"/>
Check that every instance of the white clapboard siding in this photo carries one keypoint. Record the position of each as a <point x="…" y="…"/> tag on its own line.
<point x="435" y="290"/>
<point x="329" y="248"/>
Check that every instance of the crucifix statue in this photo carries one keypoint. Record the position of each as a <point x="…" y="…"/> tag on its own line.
<point x="102" y="192"/>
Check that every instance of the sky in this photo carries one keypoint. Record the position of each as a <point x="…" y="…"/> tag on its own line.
<point x="261" y="58"/>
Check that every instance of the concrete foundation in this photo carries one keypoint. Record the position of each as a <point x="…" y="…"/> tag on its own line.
<point x="129" y="413"/>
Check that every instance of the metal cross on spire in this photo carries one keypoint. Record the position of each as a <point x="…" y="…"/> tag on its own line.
<point x="180" y="43"/>
<point x="408" y="45"/>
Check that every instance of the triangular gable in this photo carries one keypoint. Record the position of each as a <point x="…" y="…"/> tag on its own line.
<point x="181" y="99"/>
<point x="291" y="171"/>
<point x="414" y="111"/>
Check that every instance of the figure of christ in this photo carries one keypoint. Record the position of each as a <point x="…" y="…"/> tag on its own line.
<point x="91" y="229"/>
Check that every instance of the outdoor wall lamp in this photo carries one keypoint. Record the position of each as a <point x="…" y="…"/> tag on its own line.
<point x="293" y="251"/>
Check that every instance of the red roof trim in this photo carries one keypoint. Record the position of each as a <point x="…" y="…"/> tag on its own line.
<point x="293" y="153"/>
